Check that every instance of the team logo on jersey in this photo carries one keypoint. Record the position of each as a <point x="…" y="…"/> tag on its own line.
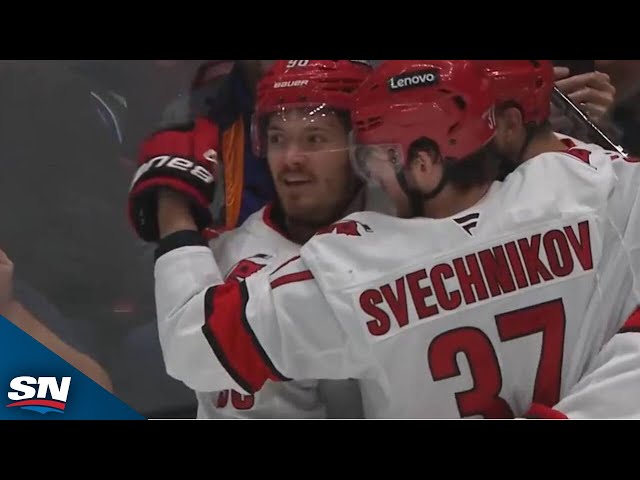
<point x="49" y="396"/>
<point x="352" y="228"/>
<point x="421" y="78"/>
<point x="248" y="266"/>
<point x="581" y="154"/>
<point x="468" y="222"/>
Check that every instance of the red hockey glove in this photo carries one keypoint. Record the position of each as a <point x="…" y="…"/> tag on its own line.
<point x="180" y="159"/>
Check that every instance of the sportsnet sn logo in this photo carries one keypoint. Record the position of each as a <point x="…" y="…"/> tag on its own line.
<point x="49" y="396"/>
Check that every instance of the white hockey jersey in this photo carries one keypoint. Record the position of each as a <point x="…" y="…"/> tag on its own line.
<point x="520" y="300"/>
<point x="242" y="252"/>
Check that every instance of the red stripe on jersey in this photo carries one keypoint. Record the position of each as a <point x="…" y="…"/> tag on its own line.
<point x="292" y="278"/>
<point x="232" y="340"/>
<point x="210" y="233"/>
<point x="285" y="264"/>
<point x="581" y="154"/>
<point x="633" y="323"/>
<point x="542" y="412"/>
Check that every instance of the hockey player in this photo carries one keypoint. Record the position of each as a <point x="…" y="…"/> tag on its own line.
<point x="301" y="126"/>
<point x="498" y="299"/>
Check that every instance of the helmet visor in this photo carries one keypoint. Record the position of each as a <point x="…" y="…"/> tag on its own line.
<point x="303" y="127"/>
<point x="377" y="164"/>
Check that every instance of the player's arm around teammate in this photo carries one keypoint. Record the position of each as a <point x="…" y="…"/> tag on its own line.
<point x="218" y="335"/>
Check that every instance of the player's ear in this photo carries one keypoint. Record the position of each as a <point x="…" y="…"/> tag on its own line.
<point x="509" y="124"/>
<point x="423" y="162"/>
<point x="423" y="169"/>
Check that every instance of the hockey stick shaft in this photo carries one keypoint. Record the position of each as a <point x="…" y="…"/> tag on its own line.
<point x="568" y="107"/>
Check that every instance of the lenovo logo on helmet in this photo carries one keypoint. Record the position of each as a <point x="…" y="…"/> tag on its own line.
<point x="291" y="83"/>
<point x="424" y="78"/>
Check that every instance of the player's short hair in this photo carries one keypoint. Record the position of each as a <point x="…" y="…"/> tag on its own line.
<point x="543" y="127"/>
<point x="479" y="168"/>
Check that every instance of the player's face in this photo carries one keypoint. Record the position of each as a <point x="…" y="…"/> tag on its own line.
<point x="308" y="157"/>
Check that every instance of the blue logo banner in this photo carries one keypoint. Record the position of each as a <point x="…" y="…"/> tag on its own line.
<point x="36" y="384"/>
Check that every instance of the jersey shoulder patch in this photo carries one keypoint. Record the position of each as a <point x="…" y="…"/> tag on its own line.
<point x="348" y="227"/>
<point x="468" y="222"/>
<point x="248" y="266"/>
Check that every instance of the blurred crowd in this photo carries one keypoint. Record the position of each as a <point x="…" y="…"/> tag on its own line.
<point x="82" y="282"/>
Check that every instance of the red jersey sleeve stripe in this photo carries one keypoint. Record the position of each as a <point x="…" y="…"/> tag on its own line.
<point x="232" y="339"/>
<point x="285" y="264"/>
<point x="633" y="323"/>
<point x="291" y="278"/>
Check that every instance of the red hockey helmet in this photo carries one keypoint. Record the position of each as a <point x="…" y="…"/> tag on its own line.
<point x="449" y="101"/>
<point x="529" y="83"/>
<point x="292" y="84"/>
